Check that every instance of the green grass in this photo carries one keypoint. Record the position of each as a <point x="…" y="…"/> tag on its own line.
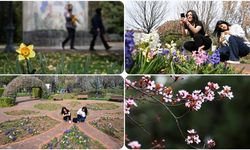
<point x="48" y="106"/>
<point x="64" y="96"/>
<point x="74" y="103"/>
<point x="63" y="63"/>
<point x="20" y="112"/>
<point x="101" y="106"/>
<point x="17" y="130"/>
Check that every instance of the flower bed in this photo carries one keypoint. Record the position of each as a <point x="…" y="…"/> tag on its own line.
<point x="146" y="55"/>
<point x="112" y="126"/>
<point x="101" y="106"/>
<point x="63" y="63"/>
<point x="73" y="139"/>
<point x="17" y="130"/>
<point x="20" y="112"/>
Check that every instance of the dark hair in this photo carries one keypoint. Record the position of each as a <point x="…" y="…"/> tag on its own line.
<point x="217" y="30"/>
<point x="62" y="112"/>
<point x="98" y="10"/>
<point x="194" y="16"/>
<point x="85" y="110"/>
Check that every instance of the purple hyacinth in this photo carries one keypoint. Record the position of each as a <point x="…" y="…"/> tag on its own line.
<point x="165" y="52"/>
<point x="214" y="58"/>
<point x="129" y="47"/>
<point x="66" y="131"/>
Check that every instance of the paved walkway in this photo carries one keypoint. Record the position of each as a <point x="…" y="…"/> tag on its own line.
<point x="245" y="68"/>
<point x="35" y="142"/>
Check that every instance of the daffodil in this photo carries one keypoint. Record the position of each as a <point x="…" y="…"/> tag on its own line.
<point x="25" y="52"/>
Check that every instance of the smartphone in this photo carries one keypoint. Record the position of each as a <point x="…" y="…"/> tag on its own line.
<point x="182" y="15"/>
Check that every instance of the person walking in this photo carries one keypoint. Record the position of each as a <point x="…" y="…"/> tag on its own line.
<point x="98" y="28"/>
<point x="70" y="26"/>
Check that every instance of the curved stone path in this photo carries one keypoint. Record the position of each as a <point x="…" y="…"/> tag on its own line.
<point x="35" y="142"/>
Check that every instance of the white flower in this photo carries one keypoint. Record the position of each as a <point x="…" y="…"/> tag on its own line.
<point x="192" y="137"/>
<point x="183" y="93"/>
<point x="134" y="145"/>
<point x="226" y="92"/>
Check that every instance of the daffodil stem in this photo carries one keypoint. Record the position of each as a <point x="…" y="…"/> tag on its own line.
<point x="28" y="66"/>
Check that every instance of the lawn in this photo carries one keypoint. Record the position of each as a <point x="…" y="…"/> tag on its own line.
<point x="101" y="106"/>
<point x="73" y="139"/>
<point x="48" y="106"/>
<point x="17" y="130"/>
<point x="63" y="63"/>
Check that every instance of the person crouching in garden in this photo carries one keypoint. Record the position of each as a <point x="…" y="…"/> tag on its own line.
<point x="82" y="114"/>
<point x="233" y="43"/>
<point x="191" y="25"/>
<point x="66" y="114"/>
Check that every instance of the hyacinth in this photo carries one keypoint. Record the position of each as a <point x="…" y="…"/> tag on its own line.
<point x="153" y="39"/>
<point x="214" y="58"/>
<point x="200" y="57"/>
<point x="192" y="137"/>
<point x="134" y="145"/>
<point x="129" y="47"/>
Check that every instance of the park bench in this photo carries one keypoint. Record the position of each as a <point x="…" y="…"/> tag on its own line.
<point x="58" y="98"/>
<point x="81" y="97"/>
<point x="117" y="98"/>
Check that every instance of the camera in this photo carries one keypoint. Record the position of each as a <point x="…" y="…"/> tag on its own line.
<point x="182" y="15"/>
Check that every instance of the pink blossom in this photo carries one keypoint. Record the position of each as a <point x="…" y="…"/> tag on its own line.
<point x="167" y="94"/>
<point x="192" y="137"/>
<point x="211" y="143"/>
<point x="226" y="92"/>
<point x="213" y="86"/>
<point x="151" y="85"/>
<point x="134" y="145"/>
<point x="194" y="104"/>
<point x="209" y="95"/>
<point x="129" y="103"/>
<point x="183" y="94"/>
<point x="128" y="83"/>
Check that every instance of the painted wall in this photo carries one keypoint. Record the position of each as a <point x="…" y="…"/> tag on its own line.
<point x="49" y="15"/>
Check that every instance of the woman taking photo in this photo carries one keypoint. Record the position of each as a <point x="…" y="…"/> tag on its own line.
<point x="233" y="43"/>
<point x="193" y="27"/>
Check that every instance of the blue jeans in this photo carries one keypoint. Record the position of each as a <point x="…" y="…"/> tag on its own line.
<point x="236" y="49"/>
<point x="80" y="118"/>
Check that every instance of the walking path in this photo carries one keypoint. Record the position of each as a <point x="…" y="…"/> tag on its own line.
<point x="35" y="142"/>
<point x="245" y="68"/>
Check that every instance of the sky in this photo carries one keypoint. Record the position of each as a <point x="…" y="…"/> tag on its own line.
<point x="172" y="6"/>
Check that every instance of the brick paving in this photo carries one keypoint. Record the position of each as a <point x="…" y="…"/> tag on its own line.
<point x="35" y="142"/>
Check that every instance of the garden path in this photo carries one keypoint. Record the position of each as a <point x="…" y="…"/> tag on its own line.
<point x="37" y="141"/>
<point x="245" y="67"/>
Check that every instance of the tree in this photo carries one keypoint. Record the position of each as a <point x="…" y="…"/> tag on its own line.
<point x="237" y="12"/>
<point x="146" y="15"/>
<point x="206" y="11"/>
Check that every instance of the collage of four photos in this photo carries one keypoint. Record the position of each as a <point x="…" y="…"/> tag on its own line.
<point x="124" y="74"/>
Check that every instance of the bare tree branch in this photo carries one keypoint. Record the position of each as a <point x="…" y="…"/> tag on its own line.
<point x="146" y="15"/>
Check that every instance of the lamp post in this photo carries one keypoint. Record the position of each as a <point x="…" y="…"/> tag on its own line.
<point x="9" y="29"/>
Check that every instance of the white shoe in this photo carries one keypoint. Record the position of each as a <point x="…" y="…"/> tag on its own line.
<point x="233" y="62"/>
<point x="69" y="121"/>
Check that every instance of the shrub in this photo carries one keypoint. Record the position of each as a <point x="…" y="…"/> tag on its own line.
<point x="36" y="93"/>
<point x="1" y="91"/>
<point x="6" y="101"/>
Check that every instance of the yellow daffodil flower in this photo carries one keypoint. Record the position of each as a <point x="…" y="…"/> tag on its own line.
<point x="25" y="52"/>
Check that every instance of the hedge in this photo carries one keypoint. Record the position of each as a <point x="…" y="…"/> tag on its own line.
<point x="6" y="101"/>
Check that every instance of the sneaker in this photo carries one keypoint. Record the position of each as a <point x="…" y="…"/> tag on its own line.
<point x="109" y="47"/>
<point x="233" y="62"/>
<point x="73" y="48"/>
<point x="92" y="49"/>
<point x="69" y="121"/>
